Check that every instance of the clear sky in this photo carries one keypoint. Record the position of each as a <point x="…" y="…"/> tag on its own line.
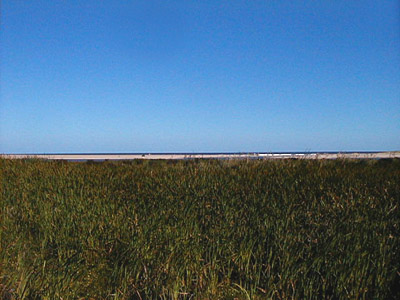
<point x="199" y="76"/>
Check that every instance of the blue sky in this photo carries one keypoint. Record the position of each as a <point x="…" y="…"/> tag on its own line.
<point x="199" y="76"/>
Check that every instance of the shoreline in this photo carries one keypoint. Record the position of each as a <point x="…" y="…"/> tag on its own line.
<point x="177" y="156"/>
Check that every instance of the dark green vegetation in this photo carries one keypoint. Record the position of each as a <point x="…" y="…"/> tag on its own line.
<point x="200" y="230"/>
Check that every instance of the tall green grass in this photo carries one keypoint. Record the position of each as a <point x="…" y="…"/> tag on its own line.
<point x="200" y="229"/>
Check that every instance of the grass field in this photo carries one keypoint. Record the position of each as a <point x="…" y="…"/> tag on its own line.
<point x="289" y="229"/>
